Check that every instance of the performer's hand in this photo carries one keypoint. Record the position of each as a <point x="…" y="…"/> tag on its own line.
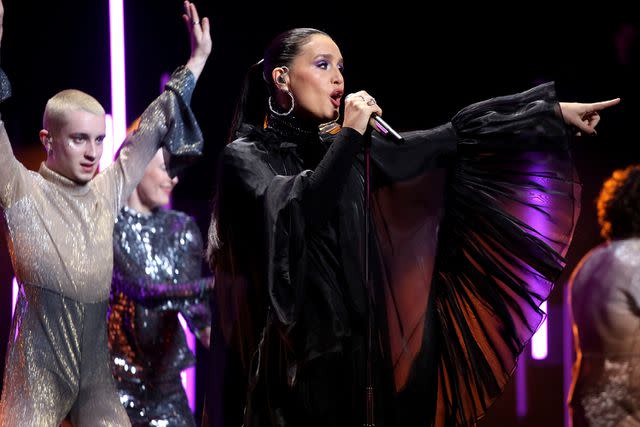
<point x="584" y="116"/>
<point x="358" y="108"/>
<point x="200" y="38"/>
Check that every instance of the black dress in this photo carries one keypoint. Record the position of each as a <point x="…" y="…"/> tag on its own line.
<point x="470" y="222"/>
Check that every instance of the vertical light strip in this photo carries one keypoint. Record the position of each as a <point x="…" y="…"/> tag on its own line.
<point x="539" y="342"/>
<point x="118" y="88"/>
<point x="521" y="387"/>
<point x="14" y="295"/>
<point x="539" y="221"/>
<point x="119" y="131"/>
<point x="189" y="375"/>
<point x="110" y="146"/>
<point x="567" y="352"/>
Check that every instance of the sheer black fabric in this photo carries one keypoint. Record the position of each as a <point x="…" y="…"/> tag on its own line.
<point x="470" y="223"/>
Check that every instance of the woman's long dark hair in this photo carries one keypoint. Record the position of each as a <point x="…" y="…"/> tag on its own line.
<point x="226" y="257"/>
<point x="251" y="107"/>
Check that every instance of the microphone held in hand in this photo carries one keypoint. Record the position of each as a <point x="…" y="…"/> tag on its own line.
<point x="384" y="129"/>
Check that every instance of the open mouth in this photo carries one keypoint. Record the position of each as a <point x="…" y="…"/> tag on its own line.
<point x="336" y="96"/>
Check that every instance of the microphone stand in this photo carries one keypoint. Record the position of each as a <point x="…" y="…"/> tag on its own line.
<point x="389" y="133"/>
<point x="369" y="390"/>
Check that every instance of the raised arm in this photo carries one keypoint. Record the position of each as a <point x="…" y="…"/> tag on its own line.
<point x="167" y="122"/>
<point x="10" y="168"/>
<point x="200" y="37"/>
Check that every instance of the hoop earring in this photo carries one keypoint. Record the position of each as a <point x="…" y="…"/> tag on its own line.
<point x="273" y="110"/>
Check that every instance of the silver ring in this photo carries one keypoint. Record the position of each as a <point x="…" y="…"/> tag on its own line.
<point x="195" y="23"/>
<point x="372" y="101"/>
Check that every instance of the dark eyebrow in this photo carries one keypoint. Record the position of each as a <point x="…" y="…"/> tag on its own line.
<point x="84" y="135"/>
<point x="80" y="135"/>
<point x="329" y="56"/>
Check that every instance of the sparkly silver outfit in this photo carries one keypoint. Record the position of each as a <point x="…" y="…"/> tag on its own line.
<point x="157" y="274"/>
<point x="605" y="300"/>
<point x="60" y="235"/>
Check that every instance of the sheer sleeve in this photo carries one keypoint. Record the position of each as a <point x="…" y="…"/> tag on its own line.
<point x="12" y="172"/>
<point x="504" y="216"/>
<point x="511" y="207"/>
<point x="167" y="122"/>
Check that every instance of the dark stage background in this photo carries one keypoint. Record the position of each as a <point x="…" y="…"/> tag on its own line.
<point x="421" y="66"/>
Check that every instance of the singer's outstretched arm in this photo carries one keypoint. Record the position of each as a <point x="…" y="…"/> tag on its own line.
<point x="524" y="121"/>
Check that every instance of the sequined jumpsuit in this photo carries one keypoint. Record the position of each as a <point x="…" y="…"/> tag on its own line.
<point x="60" y="235"/>
<point x="157" y="266"/>
<point x="605" y="303"/>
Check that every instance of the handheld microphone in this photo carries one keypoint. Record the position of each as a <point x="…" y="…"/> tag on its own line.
<point x="384" y="129"/>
